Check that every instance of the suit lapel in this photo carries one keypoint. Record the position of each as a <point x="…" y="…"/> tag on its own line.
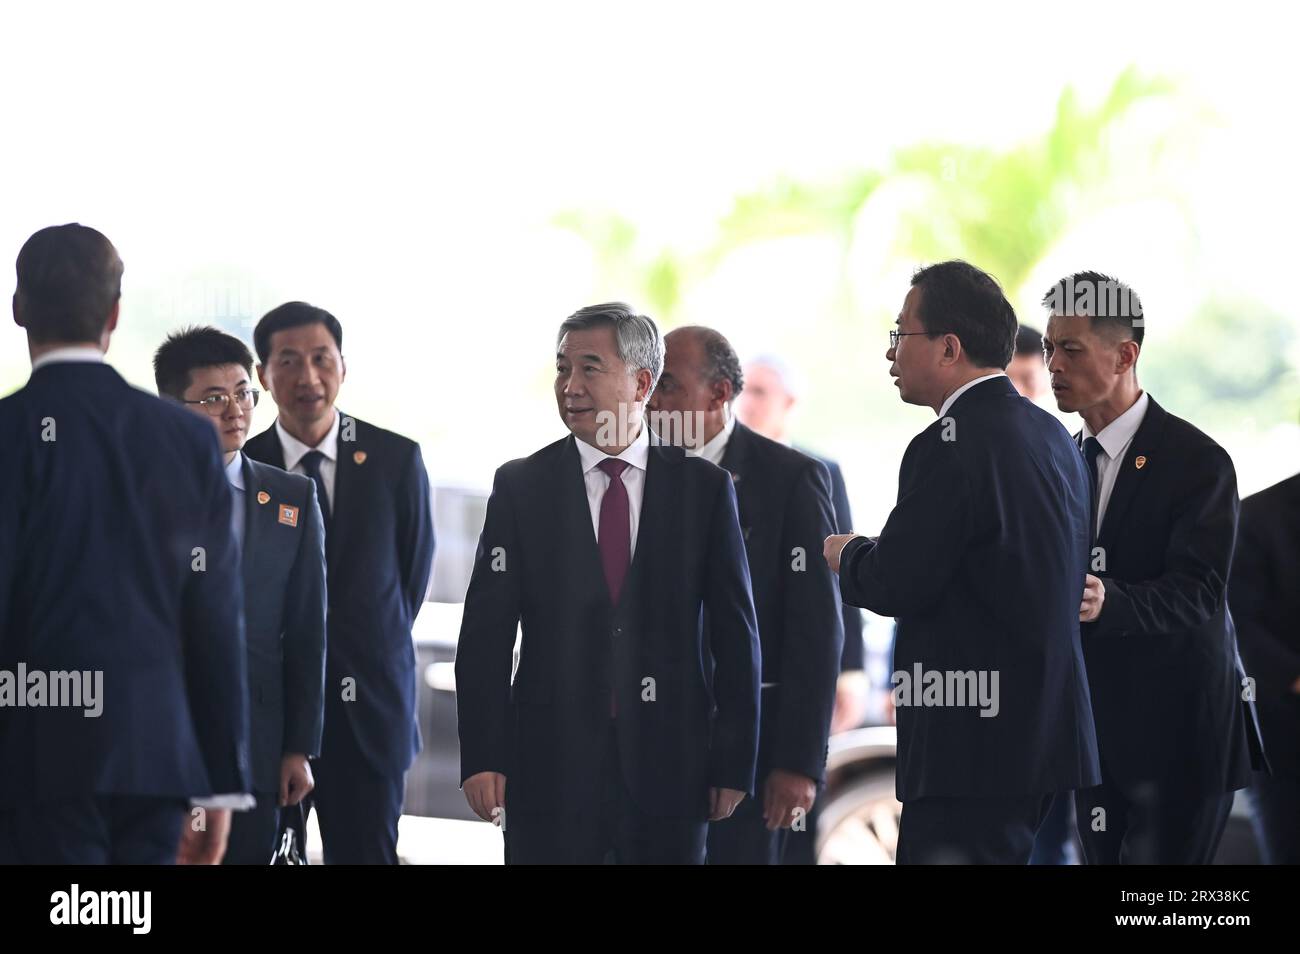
<point x="257" y="517"/>
<point x="350" y="457"/>
<point x="735" y="460"/>
<point x="662" y="485"/>
<point x="569" y="487"/>
<point x="1131" y="477"/>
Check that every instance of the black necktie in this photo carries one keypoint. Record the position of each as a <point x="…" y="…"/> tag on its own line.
<point x="311" y="462"/>
<point x="1091" y="448"/>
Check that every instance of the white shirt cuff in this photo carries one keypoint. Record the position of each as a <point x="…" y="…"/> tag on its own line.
<point x="234" y="802"/>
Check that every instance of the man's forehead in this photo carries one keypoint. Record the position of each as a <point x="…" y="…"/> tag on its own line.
<point x="598" y="341"/>
<point x="1062" y="327"/>
<point x="216" y="377"/>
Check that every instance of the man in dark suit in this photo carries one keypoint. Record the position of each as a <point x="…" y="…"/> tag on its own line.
<point x="1265" y="603"/>
<point x="624" y="731"/>
<point x="785" y="513"/>
<point x="277" y="526"/>
<point x="1158" y="639"/>
<point x="374" y="496"/>
<point x="982" y="562"/>
<point x="117" y="573"/>
<point x="764" y="406"/>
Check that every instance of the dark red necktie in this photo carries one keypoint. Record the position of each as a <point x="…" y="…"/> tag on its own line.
<point x="615" y="535"/>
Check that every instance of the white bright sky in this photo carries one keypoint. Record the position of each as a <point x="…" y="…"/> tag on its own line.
<point x="399" y="163"/>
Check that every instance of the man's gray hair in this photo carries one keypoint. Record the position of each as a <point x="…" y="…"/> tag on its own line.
<point x="638" y="340"/>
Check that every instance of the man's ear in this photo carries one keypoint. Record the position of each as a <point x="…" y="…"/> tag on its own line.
<point x="1127" y="356"/>
<point x="343" y="368"/>
<point x="951" y="349"/>
<point x="261" y="377"/>
<point x="644" y="379"/>
<point x="721" y="394"/>
<point x="18" y="318"/>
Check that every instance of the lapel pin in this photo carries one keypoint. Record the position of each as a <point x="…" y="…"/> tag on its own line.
<point x="1140" y="462"/>
<point x="288" y="515"/>
<point x="735" y="478"/>
<point x="359" y="458"/>
<point x="263" y="497"/>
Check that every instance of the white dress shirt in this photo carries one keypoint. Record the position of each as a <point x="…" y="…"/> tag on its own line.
<point x="86" y="353"/>
<point x="713" y="449"/>
<point x="295" y="450"/>
<point x="1114" y="438"/>
<point x="637" y="455"/>
<point x="966" y="387"/>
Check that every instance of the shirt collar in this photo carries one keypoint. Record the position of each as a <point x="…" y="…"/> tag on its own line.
<point x="86" y="353"/>
<point x="636" y="454"/>
<point x="713" y="450"/>
<point x="235" y="471"/>
<point x="1118" y="434"/>
<point x="952" y="398"/>
<point x="295" y="450"/>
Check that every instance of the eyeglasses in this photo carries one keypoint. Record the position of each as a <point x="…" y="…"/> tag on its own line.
<point x="895" y="334"/>
<point x="216" y="404"/>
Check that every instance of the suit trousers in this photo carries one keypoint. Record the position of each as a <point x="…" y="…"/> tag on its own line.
<point x="94" y="830"/>
<point x="969" y="830"/>
<point x="620" y="833"/>
<point x="357" y="806"/>
<point x="1275" y="811"/>
<point x="1149" y="824"/>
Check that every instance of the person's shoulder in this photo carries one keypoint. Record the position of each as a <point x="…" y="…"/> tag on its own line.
<point x="283" y="482"/>
<point x="374" y="434"/>
<point x="1189" y="441"/>
<point x="260" y="442"/>
<point x="165" y="412"/>
<point x="541" y="458"/>
<point x="1283" y="495"/>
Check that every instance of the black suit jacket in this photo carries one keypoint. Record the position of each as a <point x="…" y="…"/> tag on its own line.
<point x="379" y="552"/>
<point x="116" y="556"/>
<point x="1162" y="656"/>
<point x="284" y="618"/>
<point x="854" y="655"/>
<point x="1264" y="594"/>
<point x="679" y="731"/>
<point x="982" y="562"/>
<point x="785" y="504"/>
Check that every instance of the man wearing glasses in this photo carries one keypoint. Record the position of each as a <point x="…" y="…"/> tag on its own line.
<point x="276" y="522"/>
<point x="983" y="563"/>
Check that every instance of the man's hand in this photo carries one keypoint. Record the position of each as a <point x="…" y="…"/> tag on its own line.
<point x="782" y="794"/>
<point x="1094" y="594"/>
<point x="485" y="792"/>
<point x="296" y="780"/>
<point x="207" y="846"/>
<point x="834" y="546"/>
<point x="722" y="802"/>
<point x="850" y="701"/>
